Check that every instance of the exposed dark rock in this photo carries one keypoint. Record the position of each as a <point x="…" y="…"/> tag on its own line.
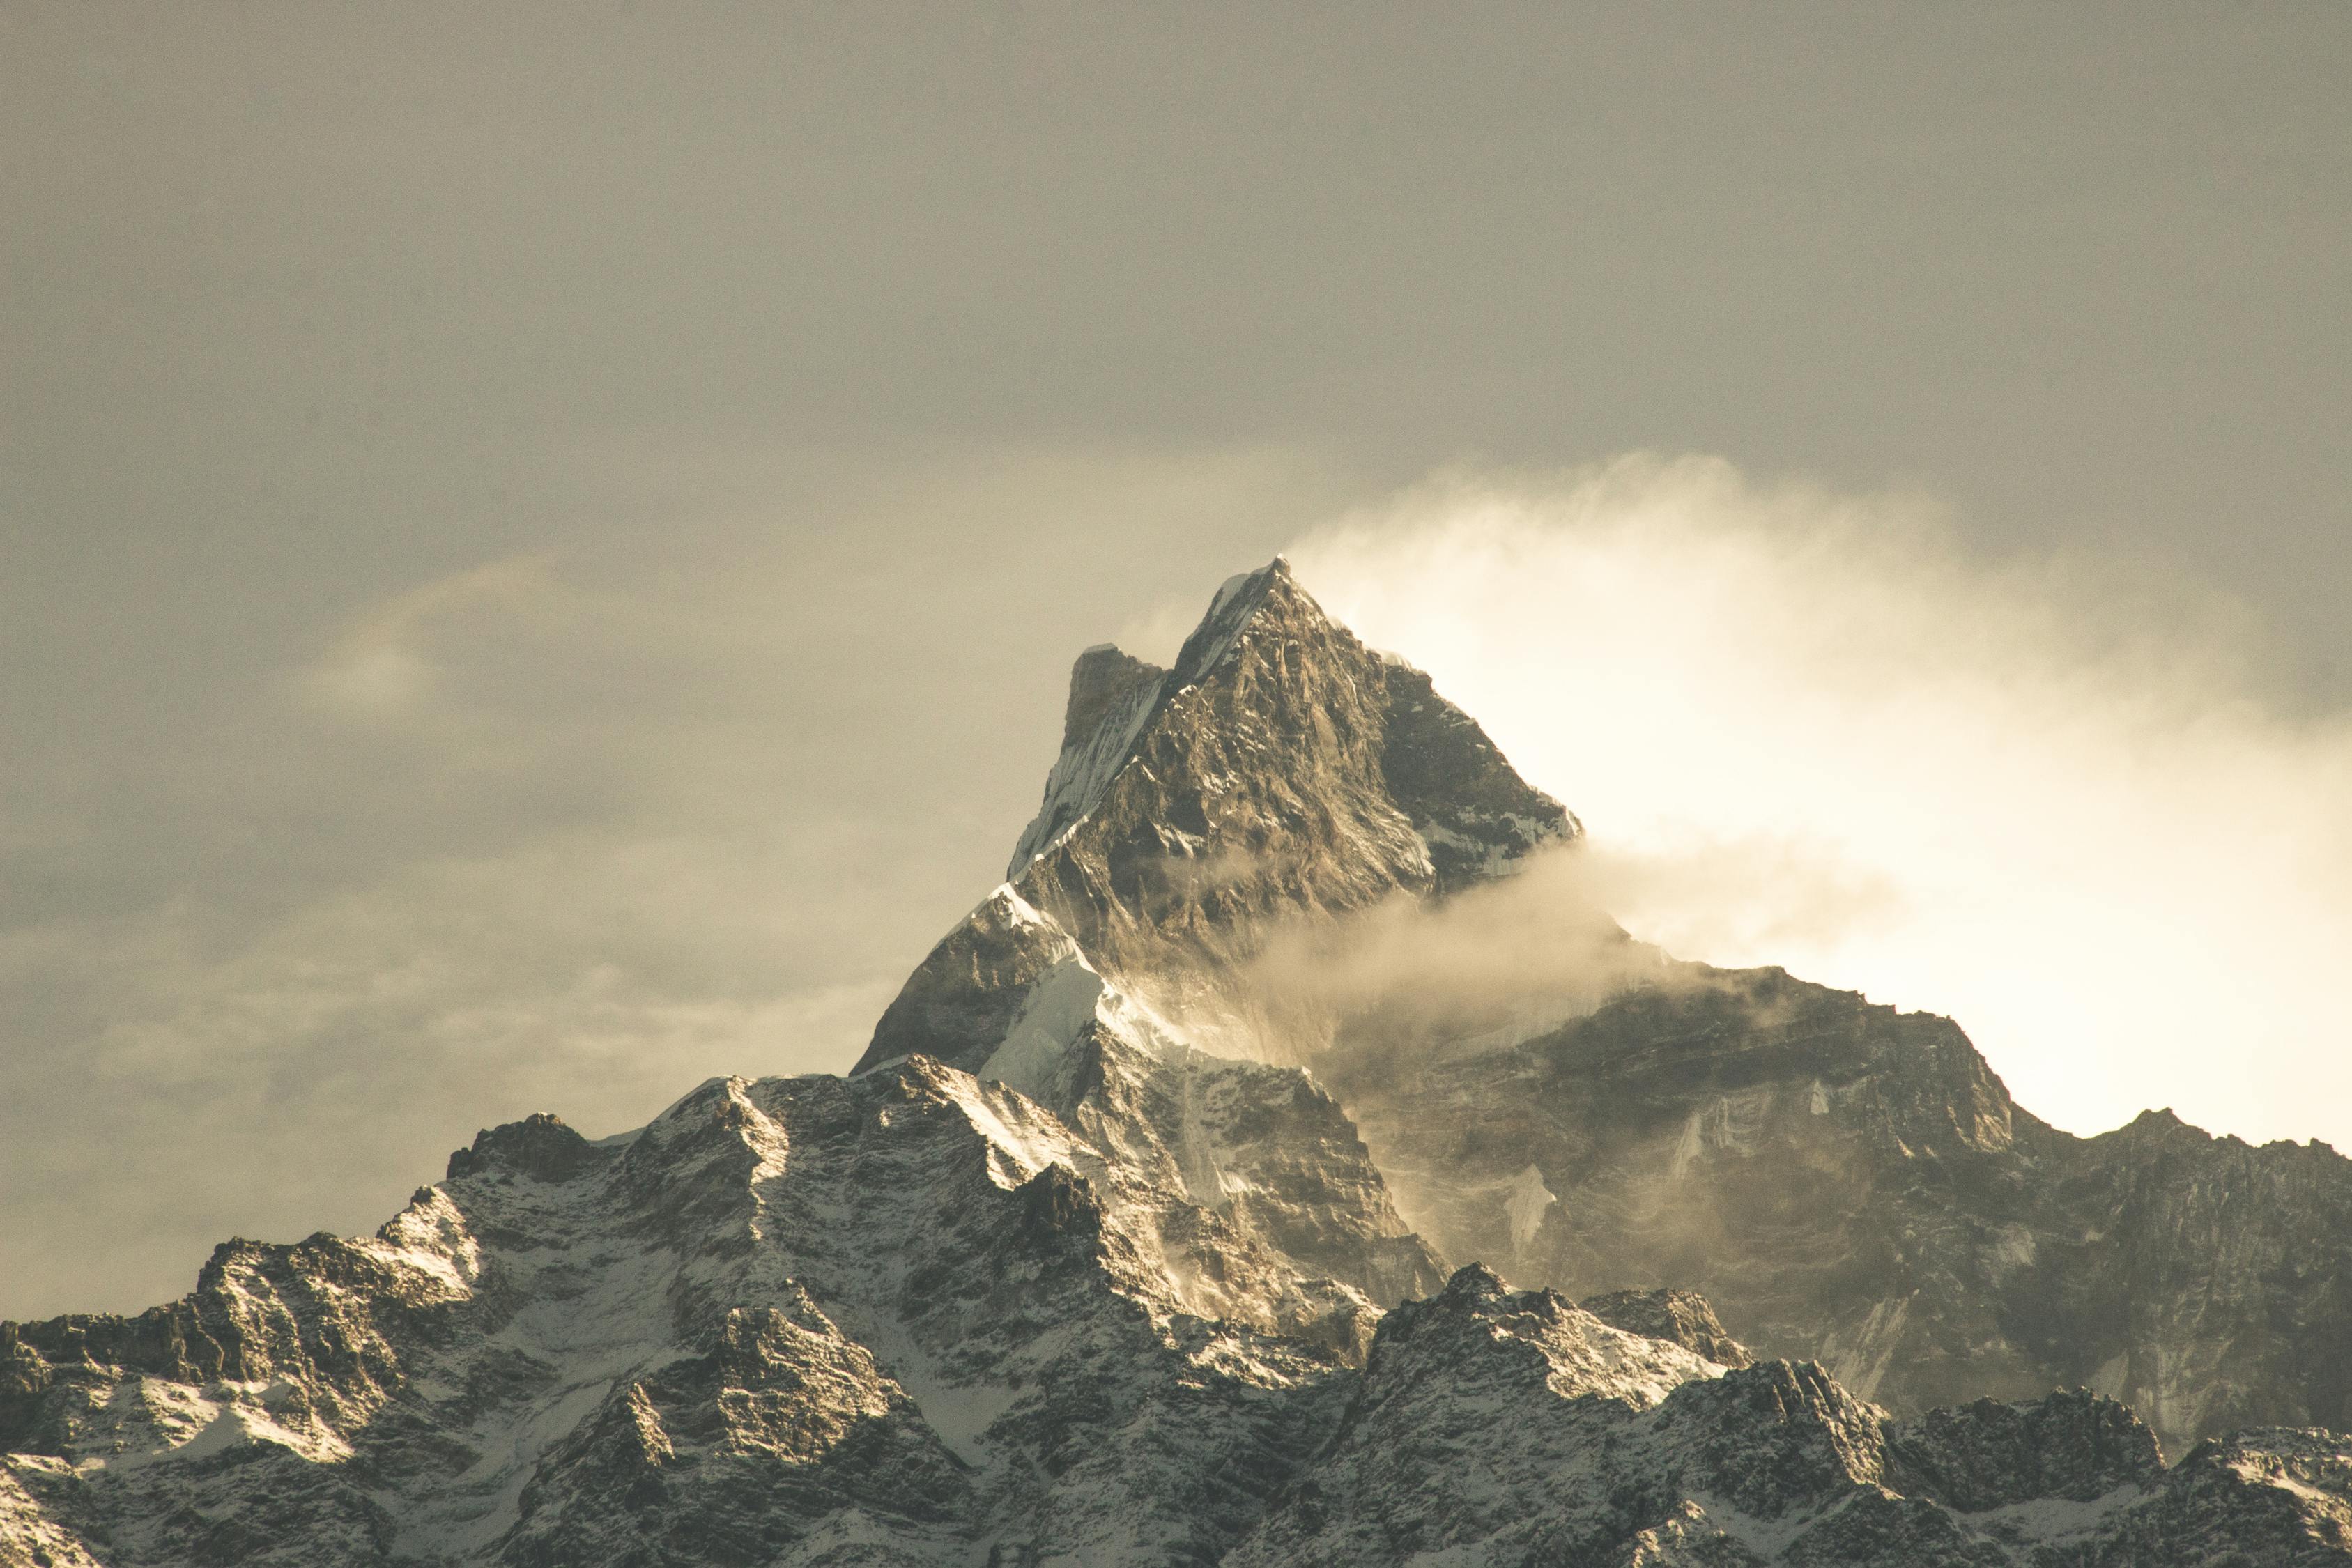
<point x="1281" y="771"/>
<point x="1616" y="1454"/>
<point x="539" y="1146"/>
<point x="1682" y="1317"/>
<point x="959" y="1004"/>
<point x="1101" y="677"/>
<point x="1851" y="1184"/>
<point x="2075" y="1446"/>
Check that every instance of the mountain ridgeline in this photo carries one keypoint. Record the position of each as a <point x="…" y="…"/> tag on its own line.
<point x="1288" y="1163"/>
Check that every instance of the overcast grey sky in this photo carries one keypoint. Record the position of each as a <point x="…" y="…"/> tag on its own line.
<point x="539" y="545"/>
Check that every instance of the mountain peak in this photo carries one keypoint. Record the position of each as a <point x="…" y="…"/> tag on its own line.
<point x="1240" y="600"/>
<point x="1279" y="770"/>
<point x="1272" y="669"/>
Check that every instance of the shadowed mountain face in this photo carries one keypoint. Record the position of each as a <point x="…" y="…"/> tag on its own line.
<point x="1844" y="1182"/>
<point x="1124" y="1245"/>
<point x="1852" y="1184"/>
<point x="1281" y="774"/>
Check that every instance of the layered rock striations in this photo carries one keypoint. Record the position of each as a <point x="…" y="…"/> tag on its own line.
<point x="1122" y="1246"/>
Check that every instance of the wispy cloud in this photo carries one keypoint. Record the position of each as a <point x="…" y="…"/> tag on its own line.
<point x="2047" y="796"/>
<point x="384" y="663"/>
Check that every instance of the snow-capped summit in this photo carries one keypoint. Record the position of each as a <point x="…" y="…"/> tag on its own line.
<point x="1268" y="692"/>
<point x="1279" y="772"/>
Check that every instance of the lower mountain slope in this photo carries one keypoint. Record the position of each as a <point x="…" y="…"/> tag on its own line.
<point x="1852" y="1184"/>
<point x="907" y="1317"/>
<point x="1624" y="1453"/>
<point x="915" y="1318"/>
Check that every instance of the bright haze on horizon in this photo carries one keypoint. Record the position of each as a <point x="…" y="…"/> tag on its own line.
<point x="542" y="547"/>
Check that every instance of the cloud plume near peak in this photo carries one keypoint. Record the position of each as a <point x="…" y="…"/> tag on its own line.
<point x="2039" y="795"/>
<point x="285" y="918"/>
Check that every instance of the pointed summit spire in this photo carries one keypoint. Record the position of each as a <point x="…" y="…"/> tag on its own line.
<point x="1240" y="600"/>
<point x="1301" y="705"/>
<point x="1114" y="694"/>
<point x="1279" y="770"/>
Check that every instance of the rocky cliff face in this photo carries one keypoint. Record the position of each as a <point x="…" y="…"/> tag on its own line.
<point x="1623" y="1450"/>
<point x="1279" y="775"/>
<point x="1852" y="1184"/>
<point x="1082" y="1267"/>
<point x="1843" y="1181"/>
<point x="906" y="1317"/>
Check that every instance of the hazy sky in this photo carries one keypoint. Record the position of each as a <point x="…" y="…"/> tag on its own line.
<point x="540" y="546"/>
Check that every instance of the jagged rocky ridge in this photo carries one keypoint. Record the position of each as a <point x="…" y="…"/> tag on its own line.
<point x="1280" y="773"/>
<point x="1852" y="1184"/>
<point x="1844" y="1182"/>
<point x="1081" y="1267"/>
